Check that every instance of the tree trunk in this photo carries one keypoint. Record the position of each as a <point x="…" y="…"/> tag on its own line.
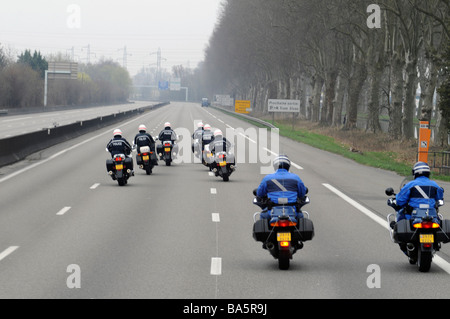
<point x="410" y="98"/>
<point x="355" y="86"/>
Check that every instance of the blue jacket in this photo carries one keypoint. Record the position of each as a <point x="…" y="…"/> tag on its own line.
<point x="282" y="187"/>
<point x="420" y="193"/>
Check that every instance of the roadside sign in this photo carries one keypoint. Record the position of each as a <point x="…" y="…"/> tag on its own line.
<point x="286" y="106"/>
<point x="424" y="141"/>
<point x="241" y="106"/>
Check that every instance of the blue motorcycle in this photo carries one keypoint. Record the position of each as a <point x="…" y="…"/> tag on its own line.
<point x="420" y="234"/>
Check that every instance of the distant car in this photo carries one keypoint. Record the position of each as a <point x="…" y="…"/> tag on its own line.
<point x="205" y="102"/>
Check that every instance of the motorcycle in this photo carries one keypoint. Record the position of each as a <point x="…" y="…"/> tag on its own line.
<point x="421" y="234"/>
<point x="146" y="159"/>
<point x="282" y="232"/>
<point x="165" y="152"/>
<point x="197" y="148"/>
<point x="207" y="157"/>
<point x="119" y="168"/>
<point x="223" y="165"/>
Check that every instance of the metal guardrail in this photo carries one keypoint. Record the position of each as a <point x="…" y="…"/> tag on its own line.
<point x="248" y="117"/>
<point x="16" y="148"/>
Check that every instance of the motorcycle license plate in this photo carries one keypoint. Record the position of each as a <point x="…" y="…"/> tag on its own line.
<point x="223" y="163"/>
<point x="119" y="166"/>
<point x="145" y="157"/>
<point x="426" y="238"/>
<point x="167" y="149"/>
<point x="283" y="236"/>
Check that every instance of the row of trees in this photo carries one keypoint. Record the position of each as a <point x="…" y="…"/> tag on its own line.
<point x="340" y="57"/>
<point x="22" y="82"/>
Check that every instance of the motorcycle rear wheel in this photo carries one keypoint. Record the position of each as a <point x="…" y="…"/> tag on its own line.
<point x="283" y="260"/>
<point x="424" y="261"/>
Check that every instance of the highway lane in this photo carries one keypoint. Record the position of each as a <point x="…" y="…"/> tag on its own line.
<point x="161" y="236"/>
<point x="13" y="125"/>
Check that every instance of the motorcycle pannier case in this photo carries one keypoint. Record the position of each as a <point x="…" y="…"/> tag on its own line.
<point x="261" y="230"/>
<point x="402" y="231"/>
<point x="306" y="229"/>
<point x="443" y="234"/>
<point x="109" y="165"/>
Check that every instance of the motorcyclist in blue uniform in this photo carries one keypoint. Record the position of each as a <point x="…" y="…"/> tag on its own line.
<point x="421" y="192"/>
<point x="119" y="145"/>
<point x="281" y="188"/>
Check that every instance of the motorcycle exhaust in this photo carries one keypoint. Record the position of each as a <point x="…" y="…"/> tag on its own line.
<point x="270" y="246"/>
<point x="141" y="166"/>
<point x="410" y="247"/>
<point x="110" y="172"/>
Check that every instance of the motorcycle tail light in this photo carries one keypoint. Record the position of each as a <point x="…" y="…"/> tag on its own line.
<point x="426" y="225"/>
<point x="283" y="223"/>
<point x="284" y="243"/>
<point x="167" y="144"/>
<point x="221" y="156"/>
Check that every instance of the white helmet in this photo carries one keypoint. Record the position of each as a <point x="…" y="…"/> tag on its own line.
<point x="207" y="127"/>
<point x="142" y="127"/>
<point x="218" y="133"/>
<point x="200" y="124"/>
<point x="117" y="132"/>
<point x="167" y="124"/>
<point x="281" y="161"/>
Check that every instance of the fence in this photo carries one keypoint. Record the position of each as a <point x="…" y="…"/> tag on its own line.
<point x="439" y="161"/>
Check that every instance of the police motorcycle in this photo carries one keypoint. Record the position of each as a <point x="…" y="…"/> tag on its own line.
<point x="284" y="228"/>
<point x="419" y="235"/>
<point x="166" y="151"/>
<point x="207" y="157"/>
<point x="119" y="168"/>
<point x="145" y="158"/>
<point x="223" y="165"/>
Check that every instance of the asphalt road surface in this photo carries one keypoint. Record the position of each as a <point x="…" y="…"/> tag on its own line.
<point x="67" y="230"/>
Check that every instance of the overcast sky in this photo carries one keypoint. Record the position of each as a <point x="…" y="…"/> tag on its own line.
<point x="180" y="28"/>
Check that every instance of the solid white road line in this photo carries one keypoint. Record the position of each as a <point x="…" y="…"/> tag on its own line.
<point x="213" y="191"/>
<point x="63" y="211"/>
<point x="215" y="217"/>
<point x="216" y="266"/>
<point x="358" y="206"/>
<point x="439" y="261"/>
<point x="95" y="186"/>
<point x="7" y="252"/>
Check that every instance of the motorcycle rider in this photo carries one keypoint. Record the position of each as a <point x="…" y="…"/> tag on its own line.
<point x="207" y="136"/>
<point x="144" y="139"/>
<point x="167" y="134"/>
<point x="281" y="188"/>
<point x="198" y="135"/>
<point x="220" y="143"/>
<point x="119" y="145"/>
<point x="421" y="192"/>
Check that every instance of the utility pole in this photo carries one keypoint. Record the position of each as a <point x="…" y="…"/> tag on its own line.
<point x="88" y="53"/>
<point x="125" y="56"/>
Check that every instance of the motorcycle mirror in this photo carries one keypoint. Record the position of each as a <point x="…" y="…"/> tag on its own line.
<point x="389" y="191"/>
<point x="254" y="191"/>
<point x="307" y="190"/>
